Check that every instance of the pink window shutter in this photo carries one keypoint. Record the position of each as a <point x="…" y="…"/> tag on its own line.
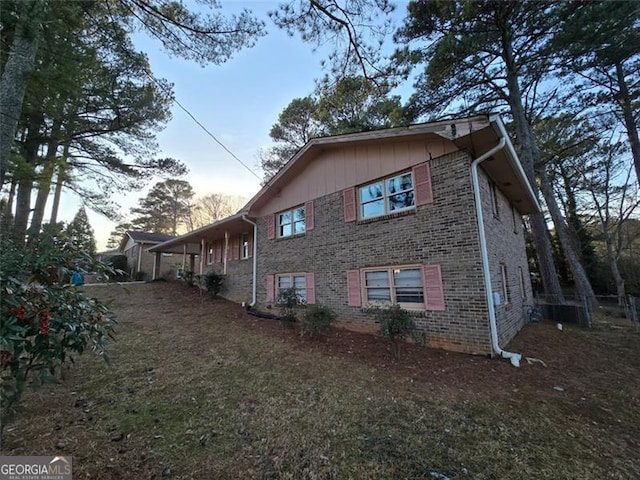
<point x="309" y="216"/>
<point x="271" y="227"/>
<point x="433" y="289"/>
<point x="271" y="287"/>
<point x="310" y="281"/>
<point x="250" y="245"/>
<point x="236" y="248"/>
<point x="349" y="203"/>
<point x="422" y="179"/>
<point x="353" y="288"/>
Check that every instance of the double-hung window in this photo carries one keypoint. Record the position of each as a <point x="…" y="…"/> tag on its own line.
<point x="401" y="285"/>
<point x="298" y="282"/>
<point x="389" y="195"/>
<point x="291" y="222"/>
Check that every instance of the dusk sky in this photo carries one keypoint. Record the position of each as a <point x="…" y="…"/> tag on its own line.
<point x="237" y="101"/>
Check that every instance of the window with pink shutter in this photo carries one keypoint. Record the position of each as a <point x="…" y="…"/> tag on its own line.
<point x="303" y="284"/>
<point x="422" y="179"/>
<point x="433" y="289"/>
<point x="349" y="204"/>
<point x="353" y="288"/>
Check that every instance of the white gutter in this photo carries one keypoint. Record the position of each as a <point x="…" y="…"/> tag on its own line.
<point x="254" y="291"/>
<point x="513" y="357"/>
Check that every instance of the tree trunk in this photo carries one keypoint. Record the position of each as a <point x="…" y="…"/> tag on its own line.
<point x="627" y="112"/>
<point x="44" y="187"/>
<point x="44" y="180"/>
<point x="529" y="156"/>
<point x="13" y="84"/>
<point x="23" y="204"/>
<point x="60" y="180"/>
<point x="580" y="277"/>
<point x="615" y="270"/>
<point x="26" y="176"/>
<point x="10" y="198"/>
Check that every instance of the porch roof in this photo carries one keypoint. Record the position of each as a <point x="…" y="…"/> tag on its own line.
<point x="212" y="232"/>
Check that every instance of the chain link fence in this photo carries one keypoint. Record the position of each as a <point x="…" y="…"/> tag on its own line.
<point x="578" y="309"/>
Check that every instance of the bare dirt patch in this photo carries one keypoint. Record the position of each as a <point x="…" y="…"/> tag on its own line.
<point x="199" y="389"/>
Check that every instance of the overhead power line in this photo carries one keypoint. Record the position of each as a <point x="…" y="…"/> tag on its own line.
<point x="215" y="139"/>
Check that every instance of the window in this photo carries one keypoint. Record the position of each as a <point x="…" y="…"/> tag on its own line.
<point x="245" y="245"/>
<point x="209" y="255"/>
<point x="503" y="280"/>
<point x="493" y="194"/>
<point x="402" y="285"/>
<point x="297" y="281"/>
<point x="387" y="196"/>
<point x="523" y="291"/>
<point x="514" y="215"/>
<point x="291" y="222"/>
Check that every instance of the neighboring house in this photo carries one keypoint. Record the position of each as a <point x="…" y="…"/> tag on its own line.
<point x="134" y="245"/>
<point x="104" y="255"/>
<point x="427" y="216"/>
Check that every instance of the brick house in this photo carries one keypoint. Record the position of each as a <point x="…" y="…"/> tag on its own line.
<point x="427" y="216"/>
<point x="134" y="245"/>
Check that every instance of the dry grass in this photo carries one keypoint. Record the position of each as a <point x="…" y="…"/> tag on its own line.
<point x="199" y="390"/>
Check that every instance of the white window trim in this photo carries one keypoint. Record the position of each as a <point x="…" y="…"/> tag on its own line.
<point x="244" y="245"/>
<point x="523" y="290"/>
<point x="293" y="222"/>
<point x="385" y="196"/>
<point x="504" y="283"/>
<point x="421" y="307"/>
<point x="514" y="216"/>
<point x="290" y="276"/>
<point x="493" y="195"/>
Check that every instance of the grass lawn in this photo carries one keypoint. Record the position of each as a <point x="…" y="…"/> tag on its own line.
<point x="198" y="389"/>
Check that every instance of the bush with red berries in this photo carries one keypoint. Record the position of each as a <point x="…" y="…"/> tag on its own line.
<point x="45" y="321"/>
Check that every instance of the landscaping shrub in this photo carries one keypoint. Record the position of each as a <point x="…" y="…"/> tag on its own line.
<point x="288" y="302"/>
<point x="190" y="278"/>
<point x="395" y="325"/>
<point x="213" y="282"/>
<point x="120" y="264"/>
<point x="316" y="319"/>
<point x="44" y="320"/>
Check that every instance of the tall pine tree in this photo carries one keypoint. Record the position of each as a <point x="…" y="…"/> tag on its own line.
<point x="80" y="234"/>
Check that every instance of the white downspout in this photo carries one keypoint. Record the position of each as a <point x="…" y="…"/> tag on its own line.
<point x="254" y="291"/>
<point x="513" y="357"/>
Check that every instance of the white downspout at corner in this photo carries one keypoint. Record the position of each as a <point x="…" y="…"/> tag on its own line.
<point x="513" y="357"/>
<point x="254" y="291"/>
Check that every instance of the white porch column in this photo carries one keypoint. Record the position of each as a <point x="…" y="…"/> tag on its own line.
<point x="157" y="260"/>
<point x="226" y="251"/>
<point x="202" y="255"/>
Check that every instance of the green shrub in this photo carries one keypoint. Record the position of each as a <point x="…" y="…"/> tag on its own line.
<point x="395" y="325"/>
<point x="213" y="282"/>
<point x="119" y="263"/>
<point x="316" y="319"/>
<point x="45" y="321"/>
<point x="190" y="278"/>
<point x="288" y="301"/>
